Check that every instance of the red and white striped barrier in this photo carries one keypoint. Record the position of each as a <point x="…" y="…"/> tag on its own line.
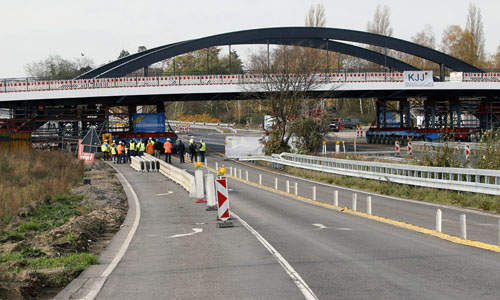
<point x="397" y="149"/>
<point x="222" y="198"/>
<point x="410" y="150"/>
<point x="467" y="151"/>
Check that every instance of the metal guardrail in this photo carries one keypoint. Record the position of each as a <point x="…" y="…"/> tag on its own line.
<point x="457" y="179"/>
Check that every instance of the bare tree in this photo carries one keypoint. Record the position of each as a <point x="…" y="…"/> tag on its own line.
<point x="474" y="25"/>
<point x="316" y="17"/>
<point x="381" y="23"/>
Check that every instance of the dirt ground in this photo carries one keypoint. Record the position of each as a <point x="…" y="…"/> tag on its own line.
<point x="104" y="205"/>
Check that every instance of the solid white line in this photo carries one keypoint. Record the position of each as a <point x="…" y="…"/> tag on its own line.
<point x="301" y="284"/>
<point x="320" y="226"/>
<point x="101" y="279"/>
<point x="164" y="194"/>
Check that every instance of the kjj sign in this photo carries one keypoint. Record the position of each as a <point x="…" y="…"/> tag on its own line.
<point x="418" y="78"/>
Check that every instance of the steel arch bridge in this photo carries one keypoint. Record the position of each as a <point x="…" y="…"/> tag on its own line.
<point x="314" y="37"/>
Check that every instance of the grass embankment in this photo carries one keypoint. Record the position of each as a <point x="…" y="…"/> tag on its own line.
<point x="463" y="199"/>
<point x="35" y="199"/>
<point x="44" y="217"/>
<point x="31" y="177"/>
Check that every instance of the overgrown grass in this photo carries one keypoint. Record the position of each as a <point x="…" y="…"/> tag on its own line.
<point x="29" y="177"/>
<point x="471" y="200"/>
<point x="34" y="259"/>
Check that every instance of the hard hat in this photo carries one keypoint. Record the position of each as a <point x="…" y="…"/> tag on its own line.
<point x="114" y="141"/>
<point x="168" y="139"/>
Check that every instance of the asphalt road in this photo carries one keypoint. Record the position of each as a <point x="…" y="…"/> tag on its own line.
<point x="481" y="226"/>
<point x="339" y="256"/>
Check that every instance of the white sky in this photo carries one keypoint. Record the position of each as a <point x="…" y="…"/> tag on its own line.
<point x="31" y="30"/>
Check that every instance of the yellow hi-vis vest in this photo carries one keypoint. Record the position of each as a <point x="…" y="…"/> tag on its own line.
<point x="104" y="148"/>
<point x="113" y="150"/>
<point x="203" y="146"/>
<point x="142" y="147"/>
<point x="132" y="146"/>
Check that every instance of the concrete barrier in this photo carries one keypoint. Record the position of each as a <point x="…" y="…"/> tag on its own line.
<point x="181" y="177"/>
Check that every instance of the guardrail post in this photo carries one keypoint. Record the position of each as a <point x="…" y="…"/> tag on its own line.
<point x="288" y="186"/>
<point x="231" y="171"/>
<point x="216" y="167"/>
<point x="439" y="220"/>
<point x="369" y="205"/>
<point x="354" y="201"/>
<point x="276" y="183"/>
<point x="314" y="193"/>
<point x="296" y="189"/>
<point x="336" y="198"/>
<point x="246" y="175"/>
<point x="260" y="179"/>
<point x="239" y="173"/>
<point x="463" y="226"/>
<point x="206" y="162"/>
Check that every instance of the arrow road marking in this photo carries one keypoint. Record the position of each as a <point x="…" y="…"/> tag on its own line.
<point x="195" y="231"/>
<point x="320" y="226"/>
<point x="167" y="193"/>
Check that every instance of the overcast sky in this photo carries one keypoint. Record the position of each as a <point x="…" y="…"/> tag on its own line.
<point x="31" y="30"/>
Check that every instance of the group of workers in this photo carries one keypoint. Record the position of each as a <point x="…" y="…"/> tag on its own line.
<point x="120" y="153"/>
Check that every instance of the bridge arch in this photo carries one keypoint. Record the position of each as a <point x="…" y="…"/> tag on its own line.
<point x="316" y="37"/>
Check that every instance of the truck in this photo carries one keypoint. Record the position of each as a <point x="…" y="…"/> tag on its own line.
<point x="145" y="126"/>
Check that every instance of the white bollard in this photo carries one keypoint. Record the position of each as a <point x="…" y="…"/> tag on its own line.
<point x="354" y="201"/>
<point x="198" y="176"/>
<point x="216" y="167"/>
<point x="210" y="188"/>
<point x="314" y="193"/>
<point x="336" y="198"/>
<point x="239" y="173"/>
<point x="276" y="183"/>
<point x="288" y="186"/>
<point x="206" y="162"/>
<point x="296" y="189"/>
<point x="463" y="227"/>
<point x="499" y="232"/>
<point x="260" y="179"/>
<point x="246" y="175"/>
<point x="231" y="171"/>
<point x="439" y="220"/>
<point x="369" y="205"/>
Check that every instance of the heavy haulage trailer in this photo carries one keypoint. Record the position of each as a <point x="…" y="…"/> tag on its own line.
<point x="433" y="119"/>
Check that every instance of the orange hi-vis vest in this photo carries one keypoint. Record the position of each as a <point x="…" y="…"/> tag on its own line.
<point x="120" y="149"/>
<point x="168" y="147"/>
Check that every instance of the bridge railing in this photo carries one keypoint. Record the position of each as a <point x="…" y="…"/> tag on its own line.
<point x="458" y="179"/>
<point x="31" y="84"/>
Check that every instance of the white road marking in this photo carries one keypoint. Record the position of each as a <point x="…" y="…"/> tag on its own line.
<point x="99" y="281"/>
<point x="167" y="193"/>
<point x="320" y="226"/>
<point x="301" y="284"/>
<point x="343" y="228"/>
<point x="195" y="231"/>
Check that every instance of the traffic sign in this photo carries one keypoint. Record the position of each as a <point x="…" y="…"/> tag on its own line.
<point x="222" y="198"/>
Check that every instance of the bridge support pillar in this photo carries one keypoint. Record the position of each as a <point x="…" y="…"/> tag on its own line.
<point x="132" y="109"/>
<point x="430" y="113"/>
<point x="441" y="72"/>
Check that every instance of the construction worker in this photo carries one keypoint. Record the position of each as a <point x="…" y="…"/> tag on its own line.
<point x="168" y="151"/>
<point x="142" y="147"/>
<point x="105" y="150"/>
<point x="113" y="152"/>
<point x="203" y="148"/>
<point x="132" y="147"/>
<point x="150" y="147"/>
<point x="121" y="150"/>
<point x="182" y="150"/>
<point x="127" y="153"/>
<point x="158" y="146"/>
<point x="192" y="150"/>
